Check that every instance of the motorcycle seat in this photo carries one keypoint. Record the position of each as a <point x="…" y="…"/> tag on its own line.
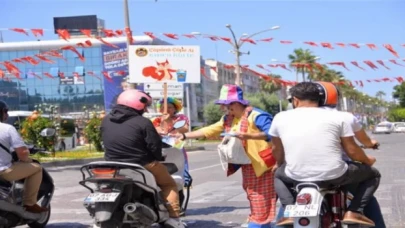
<point x="5" y="184"/>
<point x="171" y="168"/>
<point x="330" y="189"/>
<point x="322" y="187"/>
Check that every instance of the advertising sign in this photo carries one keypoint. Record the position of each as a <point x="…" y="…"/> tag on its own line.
<point x="161" y="63"/>
<point x="114" y="60"/>
<point x="71" y="81"/>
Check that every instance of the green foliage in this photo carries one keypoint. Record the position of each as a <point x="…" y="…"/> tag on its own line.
<point x="31" y="129"/>
<point x="399" y="93"/>
<point x="93" y="133"/>
<point x="397" y="115"/>
<point x="270" y="86"/>
<point x="266" y="102"/>
<point x="212" y="113"/>
<point x="67" y="127"/>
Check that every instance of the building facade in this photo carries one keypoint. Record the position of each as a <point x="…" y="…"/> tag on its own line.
<point x="69" y="82"/>
<point x="201" y="94"/>
<point x="224" y="75"/>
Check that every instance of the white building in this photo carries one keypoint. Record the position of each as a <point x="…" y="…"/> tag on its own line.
<point x="201" y="94"/>
<point x="220" y="73"/>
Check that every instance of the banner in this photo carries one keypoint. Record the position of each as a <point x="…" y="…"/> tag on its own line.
<point x="115" y="64"/>
<point x="165" y="63"/>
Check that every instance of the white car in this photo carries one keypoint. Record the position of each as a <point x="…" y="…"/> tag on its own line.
<point x="384" y="128"/>
<point x="399" y="127"/>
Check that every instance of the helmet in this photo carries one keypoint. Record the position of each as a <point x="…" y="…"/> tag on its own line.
<point x="3" y="109"/>
<point x="329" y="94"/>
<point x="135" y="99"/>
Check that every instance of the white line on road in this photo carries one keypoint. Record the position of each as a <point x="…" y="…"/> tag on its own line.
<point x="205" y="167"/>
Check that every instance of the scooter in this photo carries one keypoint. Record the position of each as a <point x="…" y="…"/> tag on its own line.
<point x="320" y="206"/>
<point x="12" y="213"/>
<point x="126" y="194"/>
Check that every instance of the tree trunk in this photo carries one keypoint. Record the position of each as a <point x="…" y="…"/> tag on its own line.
<point x="303" y="74"/>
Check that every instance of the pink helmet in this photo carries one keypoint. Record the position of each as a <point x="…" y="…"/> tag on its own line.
<point x="135" y="99"/>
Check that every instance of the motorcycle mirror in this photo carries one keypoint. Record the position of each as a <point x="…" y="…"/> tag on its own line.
<point x="179" y="124"/>
<point x="48" y="132"/>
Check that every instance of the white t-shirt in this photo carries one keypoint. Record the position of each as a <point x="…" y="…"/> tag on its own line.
<point x="9" y="138"/>
<point x="350" y="119"/>
<point x="311" y="141"/>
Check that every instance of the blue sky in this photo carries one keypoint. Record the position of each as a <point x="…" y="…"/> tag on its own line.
<point x="378" y="22"/>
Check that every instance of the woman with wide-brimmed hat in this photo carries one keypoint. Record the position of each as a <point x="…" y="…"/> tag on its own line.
<point x="249" y="125"/>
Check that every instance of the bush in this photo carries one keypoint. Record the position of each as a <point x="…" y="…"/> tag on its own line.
<point x="93" y="133"/>
<point x="266" y="102"/>
<point x="31" y="128"/>
<point x="212" y="113"/>
<point x="397" y="115"/>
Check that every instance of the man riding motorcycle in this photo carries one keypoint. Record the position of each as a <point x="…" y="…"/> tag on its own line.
<point x="308" y="144"/>
<point x="24" y="168"/>
<point x="330" y="96"/>
<point x="130" y="137"/>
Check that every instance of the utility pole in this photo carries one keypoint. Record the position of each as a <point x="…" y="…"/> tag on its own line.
<point x="237" y="44"/>
<point x="129" y="38"/>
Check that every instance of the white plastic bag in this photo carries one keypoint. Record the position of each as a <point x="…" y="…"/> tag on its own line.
<point x="231" y="150"/>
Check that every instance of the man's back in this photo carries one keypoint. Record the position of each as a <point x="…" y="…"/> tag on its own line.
<point x="129" y="137"/>
<point x="5" y="157"/>
<point x="312" y="145"/>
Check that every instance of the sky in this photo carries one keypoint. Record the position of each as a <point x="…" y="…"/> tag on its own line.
<point x="356" y="21"/>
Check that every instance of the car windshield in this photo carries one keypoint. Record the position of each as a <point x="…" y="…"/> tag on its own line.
<point x="384" y="125"/>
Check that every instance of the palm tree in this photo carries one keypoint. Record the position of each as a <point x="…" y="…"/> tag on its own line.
<point x="270" y="86"/>
<point x="301" y="56"/>
<point x="380" y="94"/>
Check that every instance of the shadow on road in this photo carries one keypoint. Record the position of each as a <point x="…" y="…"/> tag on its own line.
<point x="210" y="223"/>
<point x="67" y="224"/>
<point x="211" y="210"/>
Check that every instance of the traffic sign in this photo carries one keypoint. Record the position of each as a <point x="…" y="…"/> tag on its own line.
<point x="159" y="86"/>
<point x="170" y="93"/>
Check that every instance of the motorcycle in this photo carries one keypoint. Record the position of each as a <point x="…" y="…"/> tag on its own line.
<point x="126" y="194"/>
<point x="320" y="206"/>
<point x="12" y="212"/>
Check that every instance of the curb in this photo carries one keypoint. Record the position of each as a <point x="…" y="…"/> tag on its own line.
<point x="88" y="160"/>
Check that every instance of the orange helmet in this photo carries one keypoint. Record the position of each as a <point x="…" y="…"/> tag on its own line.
<point x="329" y="94"/>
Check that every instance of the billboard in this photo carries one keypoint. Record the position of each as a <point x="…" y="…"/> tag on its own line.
<point x="75" y="23"/>
<point x="164" y="63"/>
<point x="115" y="63"/>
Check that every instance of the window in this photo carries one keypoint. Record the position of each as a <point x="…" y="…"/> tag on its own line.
<point x="80" y="70"/>
<point x="54" y="71"/>
<point x="81" y="51"/>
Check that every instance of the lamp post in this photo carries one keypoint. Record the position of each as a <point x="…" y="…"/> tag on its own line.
<point x="237" y="44"/>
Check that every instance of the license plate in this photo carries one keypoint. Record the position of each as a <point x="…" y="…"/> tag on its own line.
<point x="292" y="211"/>
<point x="101" y="197"/>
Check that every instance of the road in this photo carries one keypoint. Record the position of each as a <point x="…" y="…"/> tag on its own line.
<point x="218" y="201"/>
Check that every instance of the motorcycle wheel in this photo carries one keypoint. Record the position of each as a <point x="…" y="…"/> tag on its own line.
<point x="43" y="221"/>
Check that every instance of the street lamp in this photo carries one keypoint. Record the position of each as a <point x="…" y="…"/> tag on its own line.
<point x="237" y="46"/>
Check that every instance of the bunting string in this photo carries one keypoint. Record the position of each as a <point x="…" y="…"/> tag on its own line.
<point x="64" y="34"/>
<point x="266" y="77"/>
<point x="48" y="56"/>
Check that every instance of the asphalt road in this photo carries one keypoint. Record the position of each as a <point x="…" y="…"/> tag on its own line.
<point x="218" y="201"/>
